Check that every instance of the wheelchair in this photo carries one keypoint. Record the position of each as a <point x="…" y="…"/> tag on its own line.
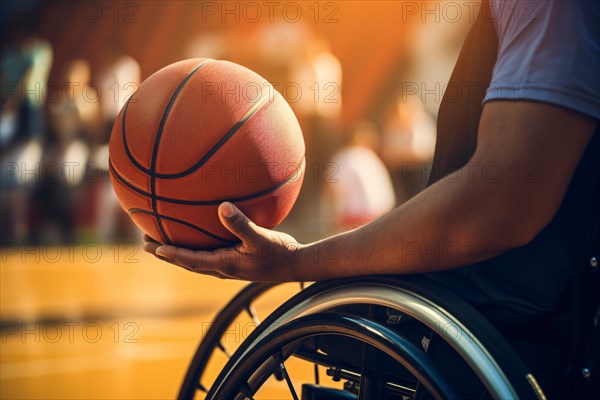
<point x="390" y="337"/>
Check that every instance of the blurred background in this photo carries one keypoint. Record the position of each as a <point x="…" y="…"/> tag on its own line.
<point x="84" y="312"/>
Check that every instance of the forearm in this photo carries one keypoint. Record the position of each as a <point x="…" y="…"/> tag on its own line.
<point x="443" y="227"/>
<point x="459" y="222"/>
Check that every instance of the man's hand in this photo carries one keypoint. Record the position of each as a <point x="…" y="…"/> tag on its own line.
<point x="262" y="255"/>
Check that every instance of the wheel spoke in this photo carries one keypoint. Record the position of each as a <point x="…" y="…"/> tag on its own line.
<point x="279" y="359"/>
<point x="245" y="390"/>
<point x="220" y="326"/>
<point x="252" y="313"/>
<point x="362" y="386"/>
<point x="224" y="349"/>
<point x="425" y="343"/>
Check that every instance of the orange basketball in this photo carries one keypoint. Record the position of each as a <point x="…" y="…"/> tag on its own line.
<point x="195" y="134"/>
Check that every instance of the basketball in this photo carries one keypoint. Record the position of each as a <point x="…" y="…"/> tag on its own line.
<point x="195" y="134"/>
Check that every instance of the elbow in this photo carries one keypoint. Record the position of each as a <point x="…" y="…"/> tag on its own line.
<point x="515" y="227"/>
<point x="523" y="233"/>
<point x="530" y="221"/>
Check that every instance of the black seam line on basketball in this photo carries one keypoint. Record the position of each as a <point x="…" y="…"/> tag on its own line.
<point x="159" y="133"/>
<point x="207" y="233"/>
<point x="124" y="131"/>
<point x="257" y="106"/>
<point x="204" y="202"/>
<point x="125" y="145"/>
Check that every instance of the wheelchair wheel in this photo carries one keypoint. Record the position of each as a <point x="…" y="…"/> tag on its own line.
<point x="338" y="313"/>
<point x="272" y="351"/>
<point x="212" y="341"/>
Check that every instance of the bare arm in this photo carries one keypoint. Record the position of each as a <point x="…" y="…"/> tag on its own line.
<point x="509" y="191"/>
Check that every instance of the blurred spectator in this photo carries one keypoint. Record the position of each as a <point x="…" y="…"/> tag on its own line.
<point x="408" y="144"/>
<point x="73" y="114"/>
<point x="25" y="67"/>
<point x="118" y="80"/>
<point x="318" y="74"/>
<point x="361" y="188"/>
<point x="208" y="45"/>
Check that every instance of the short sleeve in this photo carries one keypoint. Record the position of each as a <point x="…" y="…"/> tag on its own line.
<point x="548" y="51"/>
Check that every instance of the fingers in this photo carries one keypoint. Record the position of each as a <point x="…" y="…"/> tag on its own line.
<point x="237" y="223"/>
<point x="190" y="259"/>
<point x="150" y="247"/>
<point x="150" y="244"/>
<point x="181" y="256"/>
<point x="211" y="272"/>
<point x="202" y="262"/>
<point x="148" y="239"/>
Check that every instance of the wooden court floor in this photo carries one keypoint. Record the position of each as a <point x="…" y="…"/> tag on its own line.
<point x="110" y="322"/>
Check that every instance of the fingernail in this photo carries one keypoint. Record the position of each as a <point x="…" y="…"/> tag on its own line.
<point x="227" y="209"/>
<point x="159" y="250"/>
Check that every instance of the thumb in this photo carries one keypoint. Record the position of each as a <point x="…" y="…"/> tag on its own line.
<point x="237" y="223"/>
